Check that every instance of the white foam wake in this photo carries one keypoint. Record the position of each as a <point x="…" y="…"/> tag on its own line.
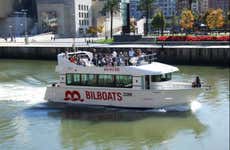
<point x="195" y="105"/>
<point x="28" y="94"/>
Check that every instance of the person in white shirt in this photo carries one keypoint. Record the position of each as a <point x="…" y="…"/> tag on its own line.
<point x="131" y="53"/>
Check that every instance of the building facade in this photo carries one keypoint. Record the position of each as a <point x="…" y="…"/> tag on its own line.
<point x="103" y="19"/>
<point x="167" y="6"/>
<point x="180" y="5"/>
<point x="198" y="6"/>
<point x="98" y="17"/>
<point x="203" y="6"/>
<point x="83" y="16"/>
<point x="134" y="11"/>
<point x="195" y="7"/>
<point x="67" y="18"/>
<point x="222" y="4"/>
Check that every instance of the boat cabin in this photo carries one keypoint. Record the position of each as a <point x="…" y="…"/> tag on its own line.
<point x="146" y="76"/>
<point x="116" y="81"/>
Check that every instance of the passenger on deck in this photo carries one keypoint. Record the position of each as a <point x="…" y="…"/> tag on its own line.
<point x="139" y="57"/>
<point x="114" y="55"/>
<point x="126" y="58"/>
<point x="121" y="59"/>
<point x="117" y="60"/>
<point x="196" y="83"/>
<point x="73" y="59"/>
<point x="99" y="59"/>
<point x="109" y="60"/>
<point x="95" y="59"/>
<point x="139" y="52"/>
<point x="131" y="53"/>
<point x="103" y="61"/>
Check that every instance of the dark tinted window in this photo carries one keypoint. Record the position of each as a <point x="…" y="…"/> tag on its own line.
<point x="102" y="80"/>
<point x="161" y="78"/>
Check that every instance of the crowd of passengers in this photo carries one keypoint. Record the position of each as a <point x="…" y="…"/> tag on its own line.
<point x="112" y="59"/>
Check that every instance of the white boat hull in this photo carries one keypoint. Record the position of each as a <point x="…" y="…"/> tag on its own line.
<point x="127" y="98"/>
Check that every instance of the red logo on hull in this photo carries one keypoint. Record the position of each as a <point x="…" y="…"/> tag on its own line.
<point x="73" y="96"/>
<point x="93" y="95"/>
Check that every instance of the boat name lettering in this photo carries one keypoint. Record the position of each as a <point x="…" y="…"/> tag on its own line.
<point x="127" y="94"/>
<point x="112" y="69"/>
<point x="109" y="96"/>
<point x="93" y="95"/>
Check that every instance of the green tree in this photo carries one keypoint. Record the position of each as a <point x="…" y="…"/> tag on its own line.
<point x="187" y="19"/>
<point x="227" y="21"/>
<point x="215" y="19"/>
<point x="158" y="22"/>
<point x="228" y="15"/>
<point x="112" y="7"/>
<point x="92" y="30"/>
<point x="146" y="6"/>
<point x="204" y="18"/>
<point x="100" y="28"/>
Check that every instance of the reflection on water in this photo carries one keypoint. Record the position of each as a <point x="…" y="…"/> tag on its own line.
<point x="82" y="128"/>
<point x="8" y="121"/>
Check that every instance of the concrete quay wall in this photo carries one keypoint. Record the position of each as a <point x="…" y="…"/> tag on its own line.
<point x="196" y="56"/>
<point x="185" y="56"/>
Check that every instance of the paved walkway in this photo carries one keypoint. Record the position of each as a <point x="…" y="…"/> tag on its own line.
<point x="45" y="41"/>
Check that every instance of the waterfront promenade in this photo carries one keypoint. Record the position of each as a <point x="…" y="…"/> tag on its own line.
<point x="81" y="42"/>
<point x="44" y="47"/>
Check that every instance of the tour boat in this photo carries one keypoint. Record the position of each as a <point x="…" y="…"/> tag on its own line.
<point x="144" y="84"/>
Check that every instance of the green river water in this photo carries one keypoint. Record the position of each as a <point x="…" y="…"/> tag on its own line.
<point x="27" y="122"/>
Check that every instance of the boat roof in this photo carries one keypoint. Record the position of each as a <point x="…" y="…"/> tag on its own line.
<point x="155" y="68"/>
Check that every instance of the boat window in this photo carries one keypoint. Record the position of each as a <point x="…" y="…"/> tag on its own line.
<point x="92" y="80"/>
<point x="73" y="79"/>
<point x="161" y="78"/>
<point x="147" y="82"/>
<point x="76" y="79"/>
<point x="105" y="80"/>
<point x="84" y="79"/>
<point x="124" y="81"/>
<point x="69" y="79"/>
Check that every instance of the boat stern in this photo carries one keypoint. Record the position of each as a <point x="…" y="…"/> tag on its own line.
<point x="50" y="94"/>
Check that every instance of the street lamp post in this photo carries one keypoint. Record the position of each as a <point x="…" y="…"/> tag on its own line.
<point x="11" y="34"/>
<point x="25" y="18"/>
<point x="74" y="32"/>
<point x="106" y="20"/>
<point x="105" y="27"/>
